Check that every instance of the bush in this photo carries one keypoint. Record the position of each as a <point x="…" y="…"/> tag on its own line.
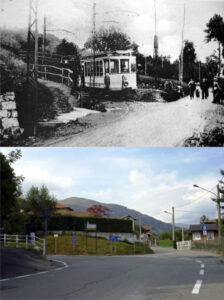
<point x="70" y="223"/>
<point x="166" y="243"/>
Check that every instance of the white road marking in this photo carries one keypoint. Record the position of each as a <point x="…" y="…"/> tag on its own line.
<point x="43" y="272"/>
<point x="200" y="262"/>
<point x="62" y="262"/>
<point x="197" y="287"/>
<point x="202" y="266"/>
<point x="202" y="272"/>
<point x="1" y="280"/>
<point x="22" y="276"/>
<point x="58" y="269"/>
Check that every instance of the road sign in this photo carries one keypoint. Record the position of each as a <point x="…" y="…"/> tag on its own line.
<point x="73" y="239"/>
<point x="32" y="238"/>
<point x="90" y="226"/>
<point x="205" y="232"/>
<point x="55" y="235"/>
<point x="113" y="238"/>
<point x="204" y="227"/>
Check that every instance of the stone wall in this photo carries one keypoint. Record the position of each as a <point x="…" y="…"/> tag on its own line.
<point x="9" y="124"/>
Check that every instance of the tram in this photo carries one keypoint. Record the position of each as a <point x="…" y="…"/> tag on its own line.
<point x="114" y="71"/>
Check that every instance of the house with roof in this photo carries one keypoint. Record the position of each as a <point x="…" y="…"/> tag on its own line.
<point x="130" y="218"/>
<point x="204" y="232"/>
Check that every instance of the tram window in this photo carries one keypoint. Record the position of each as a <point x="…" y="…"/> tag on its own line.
<point x="106" y="66"/>
<point x="124" y="65"/>
<point x="133" y="67"/>
<point x="114" y="66"/>
<point x="99" y="68"/>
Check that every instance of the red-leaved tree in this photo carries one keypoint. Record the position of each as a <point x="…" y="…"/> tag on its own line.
<point x="99" y="211"/>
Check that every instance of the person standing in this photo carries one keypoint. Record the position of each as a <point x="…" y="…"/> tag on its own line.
<point x="191" y="85"/>
<point x="204" y="88"/>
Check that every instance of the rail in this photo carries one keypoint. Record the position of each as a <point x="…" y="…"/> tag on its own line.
<point x="23" y="241"/>
<point x="49" y="72"/>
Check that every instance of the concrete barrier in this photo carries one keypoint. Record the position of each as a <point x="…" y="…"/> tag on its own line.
<point x="185" y="245"/>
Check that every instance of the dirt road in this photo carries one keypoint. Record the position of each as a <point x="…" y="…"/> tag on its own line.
<point x="146" y="124"/>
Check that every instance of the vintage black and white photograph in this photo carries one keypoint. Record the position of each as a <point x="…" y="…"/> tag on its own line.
<point x="112" y="73"/>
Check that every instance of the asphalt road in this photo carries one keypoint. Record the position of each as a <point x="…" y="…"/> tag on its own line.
<point x="167" y="274"/>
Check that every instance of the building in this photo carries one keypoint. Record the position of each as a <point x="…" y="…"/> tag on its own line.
<point x="130" y="218"/>
<point x="197" y="233"/>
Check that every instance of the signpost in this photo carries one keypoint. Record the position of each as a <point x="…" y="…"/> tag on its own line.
<point x="73" y="242"/>
<point x="113" y="238"/>
<point x="204" y="229"/>
<point x="32" y="238"/>
<point x="55" y="243"/>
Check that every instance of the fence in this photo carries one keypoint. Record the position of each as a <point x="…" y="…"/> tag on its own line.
<point x="23" y="241"/>
<point x="61" y="75"/>
<point x="217" y="245"/>
<point x="184" y="245"/>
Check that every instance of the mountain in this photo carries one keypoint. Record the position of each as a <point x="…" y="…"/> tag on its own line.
<point x="157" y="226"/>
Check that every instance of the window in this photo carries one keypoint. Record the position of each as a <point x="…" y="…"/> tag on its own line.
<point x="114" y="66"/>
<point x="99" y="68"/>
<point x="196" y="236"/>
<point x="210" y="235"/>
<point x="133" y="68"/>
<point x="124" y="65"/>
<point x="106" y="66"/>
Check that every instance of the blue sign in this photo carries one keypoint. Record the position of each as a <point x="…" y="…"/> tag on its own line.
<point x="113" y="238"/>
<point x="74" y="239"/>
<point x="204" y="227"/>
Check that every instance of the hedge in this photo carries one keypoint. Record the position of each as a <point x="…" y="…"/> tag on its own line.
<point x="67" y="223"/>
<point x="166" y="243"/>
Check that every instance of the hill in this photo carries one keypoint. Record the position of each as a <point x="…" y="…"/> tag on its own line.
<point x="157" y="226"/>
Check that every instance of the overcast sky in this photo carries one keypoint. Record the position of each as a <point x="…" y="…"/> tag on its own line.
<point x="149" y="180"/>
<point x="134" y="17"/>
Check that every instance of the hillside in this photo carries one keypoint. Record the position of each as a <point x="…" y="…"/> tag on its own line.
<point x="119" y="211"/>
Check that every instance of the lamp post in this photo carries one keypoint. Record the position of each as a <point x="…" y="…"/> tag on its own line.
<point x="173" y="229"/>
<point x="218" y="205"/>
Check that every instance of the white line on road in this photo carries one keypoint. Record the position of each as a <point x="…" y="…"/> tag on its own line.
<point x="1" y="280"/>
<point x="202" y="272"/>
<point x="200" y="262"/>
<point x="197" y="287"/>
<point x="62" y="262"/>
<point x="202" y="266"/>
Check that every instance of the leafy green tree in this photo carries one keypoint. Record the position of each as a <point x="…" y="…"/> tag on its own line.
<point x="10" y="184"/>
<point x="203" y="219"/>
<point x="111" y="39"/>
<point x="189" y="59"/>
<point x="38" y="199"/>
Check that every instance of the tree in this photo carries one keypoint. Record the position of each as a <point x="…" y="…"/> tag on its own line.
<point x="10" y="184"/>
<point x="66" y="48"/>
<point x="215" y="31"/>
<point x="38" y="199"/>
<point x="189" y="58"/>
<point x="111" y="39"/>
<point x="203" y="219"/>
<point x="99" y="211"/>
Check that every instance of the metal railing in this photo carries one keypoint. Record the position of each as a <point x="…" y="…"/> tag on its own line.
<point x="23" y="241"/>
<point x="61" y="75"/>
<point x="215" y="245"/>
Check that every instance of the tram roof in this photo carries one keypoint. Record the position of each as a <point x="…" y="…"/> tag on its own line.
<point x="108" y="54"/>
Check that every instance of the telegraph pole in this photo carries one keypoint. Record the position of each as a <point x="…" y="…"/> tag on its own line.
<point x="219" y="213"/>
<point x="181" y="68"/>
<point x="173" y="226"/>
<point x="93" y="40"/>
<point x="44" y="41"/>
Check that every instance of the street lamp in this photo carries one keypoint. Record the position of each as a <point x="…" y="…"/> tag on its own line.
<point x="218" y="205"/>
<point x="173" y="229"/>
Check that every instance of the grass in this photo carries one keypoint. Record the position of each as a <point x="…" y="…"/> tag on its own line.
<point x="88" y="246"/>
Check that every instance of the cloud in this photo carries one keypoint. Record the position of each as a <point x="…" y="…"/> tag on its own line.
<point x="37" y="175"/>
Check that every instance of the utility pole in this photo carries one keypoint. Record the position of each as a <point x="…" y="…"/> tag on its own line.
<point x="173" y="226"/>
<point x="182" y="232"/>
<point x="156" y="42"/>
<point x="140" y="227"/>
<point x="219" y="213"/>
<point x="181" y="67"/>
<point x="93" y="40"/>
<point x="44" y="41"/>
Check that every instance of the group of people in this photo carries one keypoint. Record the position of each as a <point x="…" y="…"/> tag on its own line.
<point x="201" y="90"/>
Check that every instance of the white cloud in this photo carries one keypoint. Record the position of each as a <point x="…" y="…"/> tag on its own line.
<point x="38" y="175"/>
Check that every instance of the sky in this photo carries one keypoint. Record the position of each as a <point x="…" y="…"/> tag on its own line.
<point x="150" y="180"/>
<point x="134" y="17"/>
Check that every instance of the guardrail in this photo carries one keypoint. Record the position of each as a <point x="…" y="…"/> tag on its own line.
<point x="24" y="241"/>
<point x="49" y="72"/>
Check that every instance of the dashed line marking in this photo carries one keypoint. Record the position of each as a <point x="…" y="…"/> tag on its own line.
<point x="202" y="272"/>
<point x="202" y="266"/>
<point x="197" y="287"/>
